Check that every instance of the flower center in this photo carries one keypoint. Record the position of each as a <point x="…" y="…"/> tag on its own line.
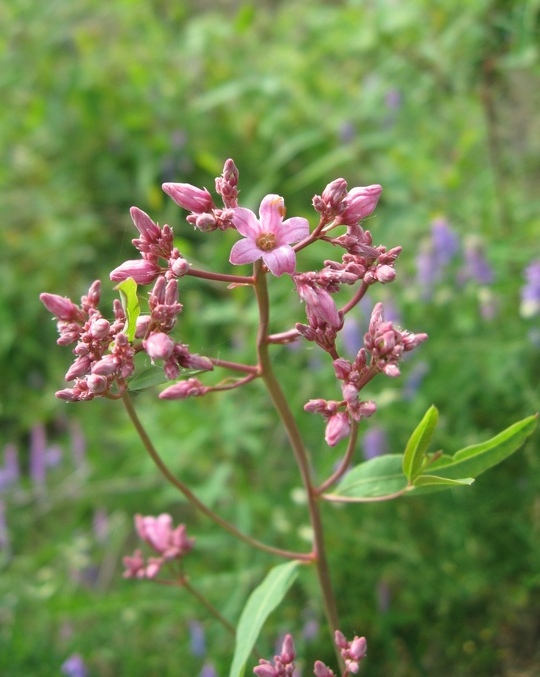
<point x="266" y="242"/>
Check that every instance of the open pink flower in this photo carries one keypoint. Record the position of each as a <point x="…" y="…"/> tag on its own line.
<point x="269" y="237"/>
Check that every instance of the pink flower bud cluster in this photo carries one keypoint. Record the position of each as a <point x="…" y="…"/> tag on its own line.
<point x="154" y="244"/>
<point x="205" y="215"/>
<point x="341" y="207"/>
<point x="351" y="652"/>
<point x="283" y="665"/>
<point x="170" y="544"/>
<point x="103" y="355"/>
<point x="324" y="319"/>
<point x="387" y="344"/>
<point x="362" y="261"/>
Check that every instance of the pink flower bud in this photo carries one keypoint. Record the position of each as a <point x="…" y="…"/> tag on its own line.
<point x="99" y="328"/>
<point x="142" y="271"/>
<point x="159" y="346"/>
<point x="337" y="428"/>
<point x="144" y="224"/>
<point x="358" y="648"/>
<point x="265" y="669"/>
<point x="360" y="203"/>
<point x="321" y="670"/>
<point x="385" y="274"/>
<point x="189" y="197"/>
<point x="180" y="391"/>
<point x="97" y="384"/>
<point x="342" y="368"/>
<point x="179" y="267"/>
<point x="79" y="368"/>
<point x="61" y="307"/>
<point x="143" y="322"/>
<point x="288" y="652"/>
<point x="105" y="367"/>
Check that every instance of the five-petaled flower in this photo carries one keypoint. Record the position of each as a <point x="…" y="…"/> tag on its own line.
<point x="269" y="237"/>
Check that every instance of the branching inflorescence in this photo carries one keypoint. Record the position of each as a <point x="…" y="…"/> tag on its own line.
<point x="105" y="350"/>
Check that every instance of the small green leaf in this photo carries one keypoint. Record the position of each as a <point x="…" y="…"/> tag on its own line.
<point x="130" y="304"/>
<point x="262" y="601"/>
<point x="476" y="459"/>
<point x="380" y="476"/>
<point x="434" y="480"/>
<point x="418" y="443"/>
<point x="151" y="376"/>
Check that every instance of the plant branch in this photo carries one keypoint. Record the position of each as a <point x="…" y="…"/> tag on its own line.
<point x="190" y="496"/>
<point x="280" y="402"/>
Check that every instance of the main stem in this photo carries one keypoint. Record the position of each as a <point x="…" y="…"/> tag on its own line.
<point x="280" y="402"/>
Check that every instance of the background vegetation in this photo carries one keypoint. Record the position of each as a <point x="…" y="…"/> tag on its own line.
<point x="435" y="100"/>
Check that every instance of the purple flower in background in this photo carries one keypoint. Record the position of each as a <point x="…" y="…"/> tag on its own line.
<point x="78" y="445"/>
<point x="197" y="639"/>
<point x="208" y="670"/>
<point x="393" y="99"/>
<point x="476" y="265"/>
<point x="38" y="451"/>
<point x="375" y="443"/>
<point x="434" y="255"/>
<point x="445" y="241"/>
<point x="530" y="293"/>
<point x="414" y="380"/>
<point x="74" y="666"/>
<point x="100" y="525"/>
<point x="9" y="473"/>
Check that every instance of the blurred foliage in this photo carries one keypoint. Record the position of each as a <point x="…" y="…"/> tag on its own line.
<point x="438" y="102"/>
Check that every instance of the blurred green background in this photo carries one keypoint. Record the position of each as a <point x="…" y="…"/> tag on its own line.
<point x="437" y="101"/>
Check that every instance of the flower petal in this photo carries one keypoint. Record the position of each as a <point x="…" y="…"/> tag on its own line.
<point x="244" y="251"/>
<point x="246" y="222"/>
<point x="280" y="260"/>
<point x="272" y="211"/>
<point x="292" y="230"/>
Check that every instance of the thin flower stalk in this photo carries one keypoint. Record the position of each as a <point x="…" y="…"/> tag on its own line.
<point x="190" y="496"/>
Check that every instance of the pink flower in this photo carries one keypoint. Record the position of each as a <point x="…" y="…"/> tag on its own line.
<point x="269" y="237"/>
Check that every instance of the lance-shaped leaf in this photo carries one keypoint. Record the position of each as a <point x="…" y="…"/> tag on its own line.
<point x="476" y="459"/>
<point x="262" y="601"/>
<point x="380" y="476"/>
<point x="418" y="444"/>
<point x="130" y="304"/>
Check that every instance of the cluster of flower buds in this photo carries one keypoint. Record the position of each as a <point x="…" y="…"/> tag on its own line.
<point x="387" y="344"/>
<point x="103" y="355"/>
<point x="155" y="244"/>
<point x="283" y="664"/>
<point x="338" y="206"/>
<point x="170" y="544"/>
<point x="204" y="214"/>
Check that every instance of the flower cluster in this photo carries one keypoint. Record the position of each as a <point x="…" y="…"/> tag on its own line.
<point x="170" y="544"/>
<point x="204" y="214"/>
<point x="387" y="344"/>
<point x="103" y="355"/>
<point x="283" y="664"/>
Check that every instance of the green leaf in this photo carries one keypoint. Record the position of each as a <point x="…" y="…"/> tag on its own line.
<point x="262" y="601"/>
<point x="418" y="443"/>
<point x="434" y="481"/>
<point x="476" y="459"/>
<point x="130" y="304"/>
<point x="151" y="376"/>
<point x="377" y="477"/>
